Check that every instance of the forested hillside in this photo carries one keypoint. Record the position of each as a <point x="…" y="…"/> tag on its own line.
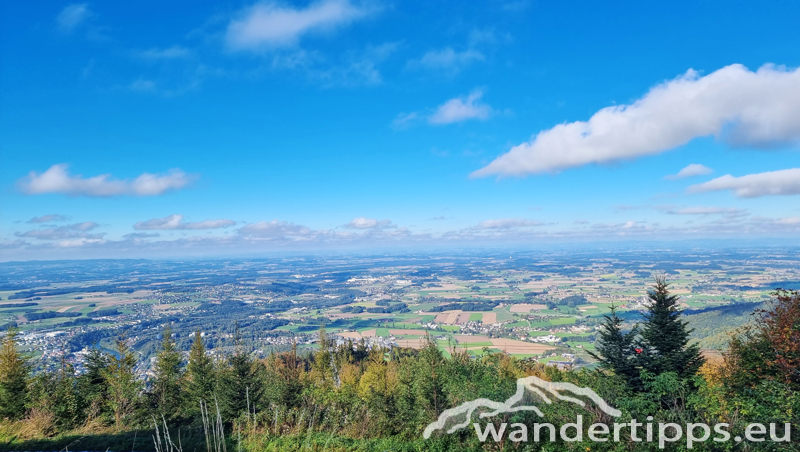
<point x="713" y="326"/>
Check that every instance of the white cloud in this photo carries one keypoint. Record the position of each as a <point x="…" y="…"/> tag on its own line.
<point x="170" y="222"/>
<point x="772" y="183"/>
<point x="691" y="170"/>
<point x="702" y="210"/>
<point x="176" y="222"/>
<point x="507" y="223"/>
<point x="72" y="16"/>
<point x="12" y="244"/>
<point x="625" y="227"/>
<point x="140" y="235"/>
<point x="168" y="53"/>
<point x="208" y="224"/>
<point x="53" y="217"/>
<point x="461" y="109"/>
<point x="738" y="106"/>
<point x="454" y="110"/>
<point x="447" y="60"/>
<point x="80" y="241"/>
<point x="405" y="120"/>
<point x="77" y="243"/>
<point x="154" y="184"/>
<point x="275" y="230"/>
<point x="269" y="25"/>
<point x="70" y="231"/>
<point x="354" y="68"/>
<point x="57" y="180"/>
<point x="284" y="232"/>
<point x="369" y="223"/>
<point x="503" y="229"/>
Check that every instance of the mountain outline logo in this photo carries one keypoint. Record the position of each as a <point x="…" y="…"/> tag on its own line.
<point x="535" y="385"/>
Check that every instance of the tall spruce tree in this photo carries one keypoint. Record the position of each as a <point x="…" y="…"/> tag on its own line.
<point x="165" y="394"/>
<point x="428" y="380"/>
<point x="123" y="386"/>
<point x="617" y="350"/>
<point x="200" y="376"/>
<point x="665" y="335"/>
<point x="56" y="392"/>
<point x="323" y="365"/>
<point x="66" y="398"/>
<point x="15" y="369"/>
<point x="93" y="385"/>
<point x="241" y="384"/>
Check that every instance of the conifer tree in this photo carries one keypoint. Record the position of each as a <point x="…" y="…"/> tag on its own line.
<point x="92" y="384"/>
<point x="165" y="394"/>
<point x="15" y="369"/>
<point x="665" y="335"/>
<point x="428" y="381"/>
<point x="55" y="392"/>
<point x="66" y="401"/>
<point x="200" y="375"/>
<point x="323" y="368"/>
<point x="123" y="386"/>
<point x="617" y="350"/>
<point x="240" y="385"/>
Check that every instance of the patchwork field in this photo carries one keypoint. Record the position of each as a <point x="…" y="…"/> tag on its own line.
<point x="350" y="335"/>
<point x="310" y="294"/>
<point x="519" y="347"/>
<point x="408" y="332"/>
<point x="411" y="343"/>
<point x="449" y="317"/>
<point x="464" y="317"/>
<point x="467" y="339"/>
<point x="527" y="307"/>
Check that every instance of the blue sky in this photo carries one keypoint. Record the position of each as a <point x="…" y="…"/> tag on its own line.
<point x="204" y="128"/>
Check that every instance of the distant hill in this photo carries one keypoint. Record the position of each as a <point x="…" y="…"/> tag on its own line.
<point x="713" y="325"/>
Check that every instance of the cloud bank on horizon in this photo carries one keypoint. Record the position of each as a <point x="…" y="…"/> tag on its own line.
<point x="739" y="107"/>
<point x="72" y="231"/>
<point x="369" y="223"/>
<point x="176" y="222"/>
<point x="276" y="235"/>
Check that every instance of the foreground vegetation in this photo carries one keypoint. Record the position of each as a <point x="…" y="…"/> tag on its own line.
<point x="351" y="398"/>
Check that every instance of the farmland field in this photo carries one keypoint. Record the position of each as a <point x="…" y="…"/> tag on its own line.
<point x="474" y="300"/>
